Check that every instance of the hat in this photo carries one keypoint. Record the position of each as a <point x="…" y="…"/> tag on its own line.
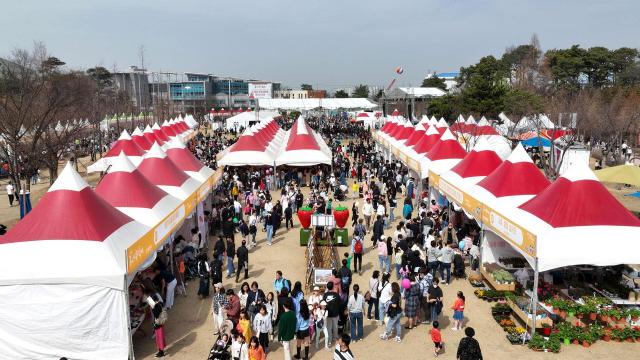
<point x="382" y="237"/>
<point x="316" y="288"/>
<point x="323" y="303"/>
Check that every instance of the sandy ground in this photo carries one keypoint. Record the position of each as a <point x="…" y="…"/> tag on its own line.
<point x="189" y="333"/>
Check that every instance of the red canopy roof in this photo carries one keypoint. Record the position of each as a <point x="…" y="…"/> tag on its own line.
<point x="481" y="161"/>
<point x="416" y="135"/>
<point x="125" y="186"/>
<point x="124" y="144"/>
<point x="579" y="199"/>
<point x="301" y="138"/>
<point x="70" y="210"/>
<point x="160" y="170"/>
<point x="447" y="148"/>
<point x="515" y="176"/>
<point x="426" y="143"/>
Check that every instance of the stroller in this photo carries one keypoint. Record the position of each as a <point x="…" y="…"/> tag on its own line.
<point x="221" y="348"/>
<point x="458" y="266"/>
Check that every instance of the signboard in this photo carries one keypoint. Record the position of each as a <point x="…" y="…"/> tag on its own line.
<point x="260" y="90"/>
<point x="323" y="220"/>
<point x="321" y="276"/>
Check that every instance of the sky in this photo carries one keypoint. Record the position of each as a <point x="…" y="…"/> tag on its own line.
<point x="326" y="43"/>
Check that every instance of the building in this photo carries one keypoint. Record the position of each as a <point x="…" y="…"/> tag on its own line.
<point x="291" y="94"/>
<point x="372" y="89"/>
<point x="409" y="100"/>
<point x="317" y="94"/>
<point x="201" y="92"/>
<point x="450" y="78"/>
<point x="135" y="83"/>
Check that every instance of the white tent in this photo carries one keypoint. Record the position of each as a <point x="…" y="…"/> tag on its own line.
<point x="63" y="277"/>
<point x="248" y="118"/>
<point x="310" y="104"/>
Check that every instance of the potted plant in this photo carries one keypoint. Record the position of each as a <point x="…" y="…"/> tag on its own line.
<point x="565" y="332"/>
<point x="634" y="313"/>
<point x="606" y="334"/>
<point x="537" y="343"/>
<point x="341" y="215"/>
<point x="546" y="329"/>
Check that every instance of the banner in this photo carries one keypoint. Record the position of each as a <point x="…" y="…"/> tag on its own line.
<point x="260" y="90"/>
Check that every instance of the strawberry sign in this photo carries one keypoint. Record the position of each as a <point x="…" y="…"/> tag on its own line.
<point x="304" y="216"/>
<point x="341" y="214"/>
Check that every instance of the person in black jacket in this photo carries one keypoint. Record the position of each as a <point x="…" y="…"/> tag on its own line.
<point x="218" y="249"/>
<point x="378" y="229"/>
<point x="288" y="216"/>
<point x="243" y="261"/>
<point x="231" y="253"/>
<point x="216" y="271"/>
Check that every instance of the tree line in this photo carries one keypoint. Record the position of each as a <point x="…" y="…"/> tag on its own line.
<point x="600" y="85"/>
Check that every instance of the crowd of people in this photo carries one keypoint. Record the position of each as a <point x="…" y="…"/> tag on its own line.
<point x="414" y="263"/>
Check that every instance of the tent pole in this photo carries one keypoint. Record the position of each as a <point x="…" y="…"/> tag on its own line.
<point x="128" y="312"/>
<point x="534" y="298"/>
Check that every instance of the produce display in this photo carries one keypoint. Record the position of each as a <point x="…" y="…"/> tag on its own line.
<point x="503" y="277"/>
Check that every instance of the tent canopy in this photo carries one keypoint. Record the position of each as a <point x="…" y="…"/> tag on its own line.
<point x="622" y="174"/>
<point x="310" y="104"/>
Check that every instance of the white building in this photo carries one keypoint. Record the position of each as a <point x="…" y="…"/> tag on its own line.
<point x="291" y="94"/>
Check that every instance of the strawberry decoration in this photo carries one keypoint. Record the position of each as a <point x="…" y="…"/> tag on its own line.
<point x="341" y="214"/>
<point x="304" y="216"/>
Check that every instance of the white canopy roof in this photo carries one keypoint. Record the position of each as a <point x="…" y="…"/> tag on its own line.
<point x="309" y="104"/>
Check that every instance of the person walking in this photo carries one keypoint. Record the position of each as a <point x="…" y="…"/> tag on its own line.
<point x="268" y="222"/>
<point x="378" y="229"/>
<point x="320" y="318"/>
<point x="384" y="295"/>
<point x="373" y="295"/>
<point x="357" y="249"/>
<point x="243" y="261"/>
<point x="303" y="334"/>
<point x="288" y="216"/>
<point x="231" y="253"/>
<point x="355" y="307"/>
<point x="367" y="211"/>
<point x="354" y="214"/>
<point x="10" y="193"/>
<point x="382" y="254"/>
<point x="332" y="299"/>
<point x="469" y="348"/>
<point x="204" y="272"/>
<point x="445" y="263"/>
<point x="263" y="326"/>
<point x="394" y="311"/>
<point x="458" y="311"/>
<point x="287" y="328"/>
<point x="436" y="337"/>
<point x="435" y="299"/>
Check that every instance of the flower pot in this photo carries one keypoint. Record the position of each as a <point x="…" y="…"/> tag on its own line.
<point x="585" y="344"/>
<point x="606" y="338"/>
<point x="576" y="342"/>
<point x="546" y="331"/>
<point x="556" y="311"/>
<point x="566" y="341"/>
<point x="603" y="317"/>
<point x="341" y="215"/>
<point x="593" y="316"/>
<point x="304" y="217"/>
<point x="631" y="340"/>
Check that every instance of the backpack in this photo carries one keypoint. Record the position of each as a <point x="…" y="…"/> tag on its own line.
<point x="357" y="247"/>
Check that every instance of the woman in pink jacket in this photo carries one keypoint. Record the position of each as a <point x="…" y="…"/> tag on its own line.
<point x="383" y="255"/>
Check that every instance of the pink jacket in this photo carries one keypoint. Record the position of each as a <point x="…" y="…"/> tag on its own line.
<point x="382" y="248"/>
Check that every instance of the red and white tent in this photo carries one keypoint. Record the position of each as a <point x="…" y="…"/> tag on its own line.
<point x="416" y="135"/>
<point x="162" y="172"/>
<point x="151" y="137"/>
<point x="572" y="216"/>
<point x="247" y="151"/>
<point x="124" y="144"/>
<point x="425" y="143"/>
<point x="167" y="129"/>
<point x="140" y="140"/>
<point x="126" y="189"/>
<point x="470" y="125"/>
<point x="158" y="133"/>
<point x="301" y="148"/>
<point x="481" y="161"/>
<point x="512" y="183"/>
<point x="445" y="154"/>
<point x="63" y="274"/>
<point x="441" y="126"/>
<point x="185" y="161"/>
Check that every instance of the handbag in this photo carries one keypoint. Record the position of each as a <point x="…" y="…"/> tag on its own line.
<point x="160" y="320"/>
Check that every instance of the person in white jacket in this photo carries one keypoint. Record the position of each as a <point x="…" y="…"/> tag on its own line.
<point x="239" y="348"/>
<point x="320" y="316"/>
<point x="262" y="327"/>
<point x="384" y="287"/>
<point x="356" y="311"/>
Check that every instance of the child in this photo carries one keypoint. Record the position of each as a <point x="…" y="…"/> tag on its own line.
<point x="256" y="352"/>
<point x="221" y="343"/>
<point x="272" y="309"/>
<point x="436" y="337"/>
<point x="263" y="327"/>
<point x="458" y="311"/>
<point x="348" y="257"/>
<point x="239" y="349"/>
<point x="244" y="326"/>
